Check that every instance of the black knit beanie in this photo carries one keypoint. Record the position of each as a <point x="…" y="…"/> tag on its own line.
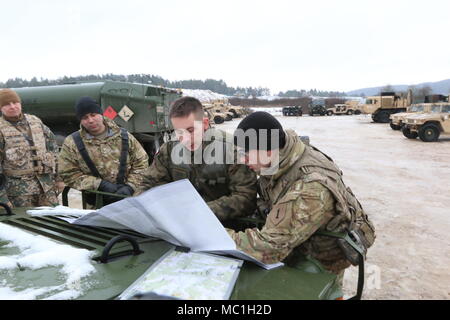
<point x="265" y="125"/>
<point x="86" y="105"/>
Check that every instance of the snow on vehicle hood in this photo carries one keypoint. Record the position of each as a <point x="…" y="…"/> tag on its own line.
<point x="38" y="252"/>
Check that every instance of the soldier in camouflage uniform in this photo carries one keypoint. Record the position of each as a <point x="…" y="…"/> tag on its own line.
<point x="304" y="196"/>
<point x="104" y="142"/>
<point x="228" y="188"/>
<point x="28" y="152"/>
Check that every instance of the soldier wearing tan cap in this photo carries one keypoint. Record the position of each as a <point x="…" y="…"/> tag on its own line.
<point x="28" y="153"/>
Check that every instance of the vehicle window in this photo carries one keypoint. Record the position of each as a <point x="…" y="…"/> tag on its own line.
<point x="435" y="109"/>
<point x="419" y="108"/>
<point x="446" y="109"/>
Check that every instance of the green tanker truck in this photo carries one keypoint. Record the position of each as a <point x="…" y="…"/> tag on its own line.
<point x="142" y="109"/>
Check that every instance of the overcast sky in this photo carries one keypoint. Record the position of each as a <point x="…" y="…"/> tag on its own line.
<point x="328" y="45"/>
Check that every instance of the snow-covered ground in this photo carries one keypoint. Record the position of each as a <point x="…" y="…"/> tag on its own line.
<point x="404" y="187"/>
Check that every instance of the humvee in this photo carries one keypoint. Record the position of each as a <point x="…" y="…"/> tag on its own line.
<point x="397" y="119"/>
<point x="117" y="258"/>
<point x="428" y="126"/>
<point x="292" y="111"/>
<point x="214" y="117"/>
<point x="317" y="109"/>
<point x="339" y="109"/>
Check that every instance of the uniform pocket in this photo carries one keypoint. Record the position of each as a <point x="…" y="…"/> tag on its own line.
<point x="16" y="156"/>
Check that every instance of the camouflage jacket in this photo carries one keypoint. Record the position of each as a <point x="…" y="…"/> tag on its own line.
<point x="28" y="155"/>
<point x="228" y="188"/>
<point x="105" y="154"/>
<point x="305" y="195"/>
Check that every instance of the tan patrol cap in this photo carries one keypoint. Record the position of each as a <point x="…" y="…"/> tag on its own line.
<point x="7" y="96"/>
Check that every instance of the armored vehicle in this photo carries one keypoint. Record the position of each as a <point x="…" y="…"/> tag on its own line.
<point x="100" y="263"/>
<point x="428" y="126"/>
<point x="142" y="109"/>
<point x="397" y="119"/>
<point x="387" y="103"/>
<point x="292" y="111"/>
<point x="214" y="117"/>
<point x="354" y="105"/>
<point x="317" y="106"/>
<point x="320" y="110"/>
<point x="339" y="109"/>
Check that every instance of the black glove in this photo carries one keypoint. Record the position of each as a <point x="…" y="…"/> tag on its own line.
<point x="106" y="186"/>
<point x="125" y="189"/>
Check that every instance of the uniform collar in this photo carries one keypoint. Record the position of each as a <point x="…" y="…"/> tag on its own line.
<point x="289" y="155"/>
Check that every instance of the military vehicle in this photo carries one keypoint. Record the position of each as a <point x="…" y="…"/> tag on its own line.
<point x="317" y="106"/>
<point x="142" y="109"/>
<point x="214" y="117"/>
<point x="292" y="111"/>
<point x="387" y="103"/>
<point x="397" y="119"/>
<point x="339" y="109"/>
<point x="428" y="126"/>
<point x="354" y="105"/>
<point x="119" y="257"/>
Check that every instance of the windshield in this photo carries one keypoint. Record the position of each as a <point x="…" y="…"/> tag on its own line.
<point x="436" y="109"/>
<point x="446" y="109"/>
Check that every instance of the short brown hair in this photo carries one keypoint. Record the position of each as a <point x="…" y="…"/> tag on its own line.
<point x="184" y="106"/>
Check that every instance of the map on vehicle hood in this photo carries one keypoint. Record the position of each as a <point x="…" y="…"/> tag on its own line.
<point x="174" y="212"/>
<point x="188" y="276"/>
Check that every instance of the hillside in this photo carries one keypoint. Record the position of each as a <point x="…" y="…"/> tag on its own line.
<point x="439" y="87"/>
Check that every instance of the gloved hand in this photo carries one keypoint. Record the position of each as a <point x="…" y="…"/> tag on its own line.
<point x="125" y="189"/>
<point x="106" y="186"/>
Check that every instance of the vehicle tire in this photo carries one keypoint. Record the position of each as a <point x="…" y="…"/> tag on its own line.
<point x="394" y="126"/>
<point x="329" y="113"/>
<point x="357" y="112"/>
<point x="382" y="116"/>
<point x="429" y="133"/>
<point x="218" y="120"/>
<point x="349" y="112"/>
<point x="408" y="133"/>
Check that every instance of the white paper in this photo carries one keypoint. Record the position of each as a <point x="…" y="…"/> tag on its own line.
<point x="174" y="212"/>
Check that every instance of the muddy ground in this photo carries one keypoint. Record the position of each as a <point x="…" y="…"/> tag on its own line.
<point x="403" y="186"/>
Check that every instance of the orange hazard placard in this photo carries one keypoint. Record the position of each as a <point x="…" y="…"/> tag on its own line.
<point x="110" y="113"/>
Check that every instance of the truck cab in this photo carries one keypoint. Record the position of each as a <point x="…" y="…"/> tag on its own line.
<point x="385" y="104"/>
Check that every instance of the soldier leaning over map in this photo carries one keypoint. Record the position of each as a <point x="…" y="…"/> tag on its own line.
<point x="228" y="188"/>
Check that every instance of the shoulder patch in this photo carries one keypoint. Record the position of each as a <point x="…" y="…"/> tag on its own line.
<point x="278" y="214"/>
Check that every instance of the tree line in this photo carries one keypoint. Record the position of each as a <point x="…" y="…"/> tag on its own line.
<point x="218" y="86"/>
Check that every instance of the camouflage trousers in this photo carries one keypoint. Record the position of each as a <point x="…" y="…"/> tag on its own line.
<point x="36" y="200"/>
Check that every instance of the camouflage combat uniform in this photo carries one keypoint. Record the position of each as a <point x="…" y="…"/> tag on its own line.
<point x="105" y="154"/>
<point x="28" y="152"/>
<point x="305" y="196"/>
<point x="228" y="188"/>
